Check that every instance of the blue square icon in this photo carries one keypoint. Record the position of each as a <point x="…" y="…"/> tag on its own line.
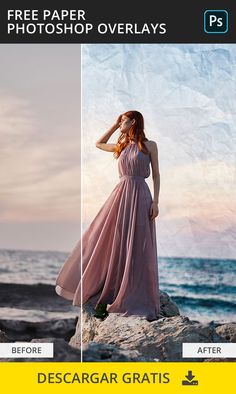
<point x="216" y="21"/>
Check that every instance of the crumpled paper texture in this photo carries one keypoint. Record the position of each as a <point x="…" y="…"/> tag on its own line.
<point x="186" y="93"/>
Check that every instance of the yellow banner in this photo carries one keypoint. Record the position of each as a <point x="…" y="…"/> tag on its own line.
<point x="168" y="377"/>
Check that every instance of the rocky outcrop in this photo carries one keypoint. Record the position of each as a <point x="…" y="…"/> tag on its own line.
<point x="159" y="340"/>
<point x="91" y="325"/>
<point x="20" y="330"/>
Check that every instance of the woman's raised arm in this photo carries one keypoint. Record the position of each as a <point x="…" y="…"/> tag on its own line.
<point x="102" y="142"/>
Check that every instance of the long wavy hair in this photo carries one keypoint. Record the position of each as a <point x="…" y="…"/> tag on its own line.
<point x="136" y="133"/>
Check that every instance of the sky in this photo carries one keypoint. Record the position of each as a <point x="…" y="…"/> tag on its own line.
<point x="186" y="94"/>
<point x="40" y="146"/>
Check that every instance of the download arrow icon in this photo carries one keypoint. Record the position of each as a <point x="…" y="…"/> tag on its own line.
<point x="190" y="376"/>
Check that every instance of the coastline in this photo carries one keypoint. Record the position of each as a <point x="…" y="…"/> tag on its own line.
<point x="35" y="313"/>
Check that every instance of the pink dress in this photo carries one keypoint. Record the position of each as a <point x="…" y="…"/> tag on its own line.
<point x="119" y="264"/>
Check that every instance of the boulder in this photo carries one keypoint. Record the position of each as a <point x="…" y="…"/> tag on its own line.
<point x="227" y="331"/>
<point x="168" y="306"/>
<point x="159" y="340"/>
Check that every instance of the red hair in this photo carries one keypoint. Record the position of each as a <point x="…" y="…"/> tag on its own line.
<point x="136" y="133"/>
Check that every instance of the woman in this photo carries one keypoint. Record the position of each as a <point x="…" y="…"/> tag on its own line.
<point x="119" y="252"/>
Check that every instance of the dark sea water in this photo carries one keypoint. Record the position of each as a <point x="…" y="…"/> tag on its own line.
<point x="204" y="289"/>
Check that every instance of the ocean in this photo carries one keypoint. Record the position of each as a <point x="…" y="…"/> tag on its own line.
<point x="204" y="289"/>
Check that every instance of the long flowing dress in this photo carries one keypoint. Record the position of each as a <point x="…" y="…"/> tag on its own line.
<point x="119" y="251"/>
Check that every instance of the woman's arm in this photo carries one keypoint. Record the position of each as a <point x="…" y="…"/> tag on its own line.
<point x="102" y="142"/>
<point x="156" y="179"/>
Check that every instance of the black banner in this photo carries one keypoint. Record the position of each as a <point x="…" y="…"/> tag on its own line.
<point x="118" y="22"/>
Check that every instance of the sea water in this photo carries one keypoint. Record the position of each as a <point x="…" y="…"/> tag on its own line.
<point x="204" y="289"/>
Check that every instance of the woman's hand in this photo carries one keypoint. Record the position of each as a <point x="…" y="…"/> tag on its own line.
<point x="154" y="210"/>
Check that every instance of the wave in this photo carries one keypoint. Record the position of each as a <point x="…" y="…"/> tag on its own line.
<point x="183" y="301"/>
<point x="197" y="288"/>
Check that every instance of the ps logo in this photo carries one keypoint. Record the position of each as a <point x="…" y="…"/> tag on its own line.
<point x="215" y="21"/>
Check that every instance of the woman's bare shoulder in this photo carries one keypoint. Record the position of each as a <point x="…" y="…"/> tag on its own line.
<point x="150" y="145"/>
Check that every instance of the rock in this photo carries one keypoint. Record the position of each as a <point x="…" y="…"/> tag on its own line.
<point x="38" y="296"/>
<point x="20" y="330"/>
<point x="168" y="306"/>
<point x="158" y="340"/>
<point x="62" y="352"/>
<point x="95" y="352"/>
<point x="227" y="331"/>
<point x="3" y="337"/>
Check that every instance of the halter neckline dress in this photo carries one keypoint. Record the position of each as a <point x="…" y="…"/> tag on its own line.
<point x="119" y="250"/>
